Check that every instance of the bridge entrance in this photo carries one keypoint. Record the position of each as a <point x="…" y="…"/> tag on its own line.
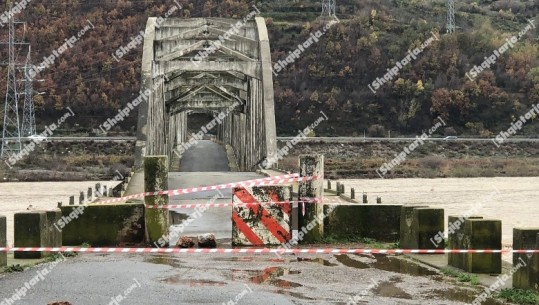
<point x="233" y="83"/>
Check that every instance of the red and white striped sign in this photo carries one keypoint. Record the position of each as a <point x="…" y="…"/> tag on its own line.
<point x="284" y="179"/>
<point x="255" y="222"/>
<point x="258" y="250"/>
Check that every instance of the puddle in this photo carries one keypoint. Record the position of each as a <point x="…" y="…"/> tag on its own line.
<point x="294" y="294"/>
<point x="177" y="218"/>
<point x="271" y="276"/>
<point x="320" y="261"/>
<point x="387" y="263"/>
<point x="177" y="280"/>
<point x="348" y="262"/>
<point x="235" y="259"/>
<point x="462" y="295"/>
<point x="391" y="263"/>
<point x="164" y="260"/>
<point x="390" y="290"/>
<point x="249" y="259"/>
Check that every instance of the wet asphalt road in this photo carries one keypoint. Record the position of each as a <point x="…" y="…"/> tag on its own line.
<point x="205" y="156"/>
<point x="143" y="279"/>
<point x="91" y="279"/>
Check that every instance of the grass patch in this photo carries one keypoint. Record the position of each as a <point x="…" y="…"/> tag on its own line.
<point x="461" y="276"/>
<point x="519" y="296"/>
<point x="14" y="268"/>
<point x="371" y="242"/>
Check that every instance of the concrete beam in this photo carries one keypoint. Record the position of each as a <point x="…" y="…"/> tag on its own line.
<point x="267" y="87"/>
<point x="251" y="69"/>
<point x="146" y="83"/>
<point x="180" y="84"/>
<point x="181" y="52"/>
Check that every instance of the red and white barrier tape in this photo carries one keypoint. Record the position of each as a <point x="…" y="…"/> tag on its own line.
<point x="223" y="205"/>
<point x="255" y="182"/>
<point x="259" y="250"/>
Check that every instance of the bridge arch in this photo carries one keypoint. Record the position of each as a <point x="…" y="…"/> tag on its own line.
<point x="233" y="81"/>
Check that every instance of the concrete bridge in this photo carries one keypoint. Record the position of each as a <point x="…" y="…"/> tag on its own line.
<point x="207" y="65"/>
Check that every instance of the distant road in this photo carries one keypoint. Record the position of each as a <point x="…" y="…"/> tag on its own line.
<point x="315" y="139"/>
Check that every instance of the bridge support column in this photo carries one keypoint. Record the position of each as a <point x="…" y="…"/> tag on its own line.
<point x="156" y="179"/>
<point x="312" y="221"/>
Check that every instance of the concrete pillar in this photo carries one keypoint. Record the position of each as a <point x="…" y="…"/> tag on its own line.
<point x="525" y="277"/>
<point x="156" y="179"/>
<point x="90" y="194"/>
<point x="456" y="240"/>
<point x="342" y="189"/>
<point x="329" y="184"/>
<point x="352" y="193"/>
<point x="105" y="191"/>
<point x="3" y="241"/>
<point x="338" y="188"/>
<point x="30" y="231"/>
<point x="407" y="241"/>
<point x="81" y="198"/>
<point x="427" y="222"/>
<point x="312" y="165"/>
<point x="483" y="234"/>
<point x="378" y="200"/>
<point x="71" y="200"/>
<point x="54" y="236"/>
<point x="98" y="191"/>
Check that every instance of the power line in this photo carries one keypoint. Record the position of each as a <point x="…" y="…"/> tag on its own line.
<point x="11" y="128"/>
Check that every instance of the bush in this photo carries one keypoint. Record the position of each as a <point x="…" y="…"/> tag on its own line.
<point x="376" y="130"/>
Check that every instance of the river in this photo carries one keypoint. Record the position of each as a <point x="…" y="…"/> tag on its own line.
<point x="17" y="196"/>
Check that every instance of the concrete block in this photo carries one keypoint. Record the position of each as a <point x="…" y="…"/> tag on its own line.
<point x="483" y="234"/>
<point x="261" y="223"/>
<point x="81" y="198"/>
<point x="90" y="197"/>
<point x="426" y="224"/>
<point x="54" y="235"/>
<point x="103" y="225"/>
<point x="525" y="239"/>
<point x="455" y="234"/>
<point x="380" y="222"/>
<point x="71" y="200"/>
<point x="156" y="179"/>
<point x="3" y="240"/>
<point x="30" y="231"/>
<point x="312" y="165"/>
<point x="407" y="241"/>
